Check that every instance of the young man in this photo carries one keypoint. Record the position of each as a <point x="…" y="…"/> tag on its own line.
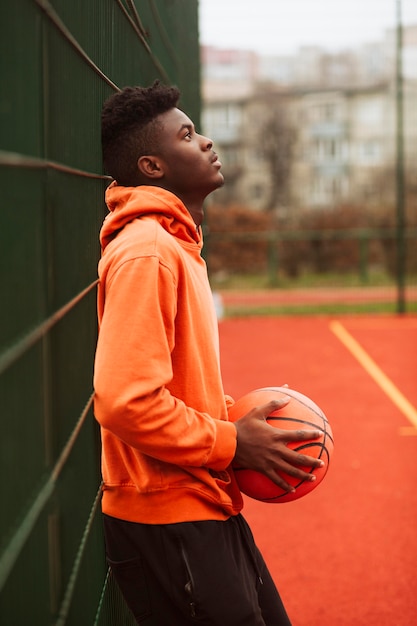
<point x="177" y="544"/>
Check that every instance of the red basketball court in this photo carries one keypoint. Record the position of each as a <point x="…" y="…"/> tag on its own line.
<point x="347" y="553"/>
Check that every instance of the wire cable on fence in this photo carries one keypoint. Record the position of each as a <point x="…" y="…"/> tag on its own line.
<point x="14" y="159"/>
<point x="136" y="17"/>
<point x="66" y="603"/>
<point x="141" y="37"/>
<point x="18" y="349"/>
<point x="102" y="596"/>
<point x="15" y="545"/>
<point x="59" y="24"/>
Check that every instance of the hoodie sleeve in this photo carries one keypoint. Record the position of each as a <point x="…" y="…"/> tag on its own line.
<point x="133" y="371"/>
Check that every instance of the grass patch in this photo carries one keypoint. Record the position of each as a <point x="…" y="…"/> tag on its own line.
<point x="263" y="281"/>
<point x="317" y="309"/>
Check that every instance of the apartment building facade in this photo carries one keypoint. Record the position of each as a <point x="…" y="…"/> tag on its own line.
<point x="323" y="142"/>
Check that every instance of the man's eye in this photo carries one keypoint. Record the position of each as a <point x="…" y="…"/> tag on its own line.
<point x="188" y="135"/>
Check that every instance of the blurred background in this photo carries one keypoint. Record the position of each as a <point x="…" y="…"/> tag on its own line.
<point x="312" y="106"/>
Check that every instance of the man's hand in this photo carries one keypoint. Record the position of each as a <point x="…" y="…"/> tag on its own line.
<point x="263" y="448"/>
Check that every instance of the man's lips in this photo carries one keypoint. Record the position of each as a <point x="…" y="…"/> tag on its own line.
<point x="215" y="161"/>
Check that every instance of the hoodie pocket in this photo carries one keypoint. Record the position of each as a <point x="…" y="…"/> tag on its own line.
<point x="131" y="578"/>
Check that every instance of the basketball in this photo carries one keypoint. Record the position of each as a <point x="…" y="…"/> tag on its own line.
<point x="300" y="413"/>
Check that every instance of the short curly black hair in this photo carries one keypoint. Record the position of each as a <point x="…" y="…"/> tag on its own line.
<point x="129" y="128"/>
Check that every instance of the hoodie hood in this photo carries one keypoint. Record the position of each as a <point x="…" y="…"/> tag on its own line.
<point x="128" y="203"/>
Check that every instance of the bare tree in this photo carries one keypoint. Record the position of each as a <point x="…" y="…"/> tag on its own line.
<point x="277" y="139"/>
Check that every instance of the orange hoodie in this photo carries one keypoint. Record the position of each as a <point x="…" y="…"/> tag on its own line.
<point x="166" y="443"/>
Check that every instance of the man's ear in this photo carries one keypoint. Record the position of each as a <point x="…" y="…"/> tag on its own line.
<point x="150" y="167"/>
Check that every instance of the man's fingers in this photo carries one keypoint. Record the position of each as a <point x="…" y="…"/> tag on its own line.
<point x="267" y="409"/>
<point x="298" y="435"/>
<point x="277" y="475"/>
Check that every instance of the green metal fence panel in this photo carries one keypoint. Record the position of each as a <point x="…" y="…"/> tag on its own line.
<point x="21" y="71"/>
<point x="59" y="61"/>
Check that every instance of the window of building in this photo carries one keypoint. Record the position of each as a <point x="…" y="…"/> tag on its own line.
<point x="222" y="122"/>
<point x="369" y="151"/>
<point x="326" y="149"/>
<point x="327" y="189"/>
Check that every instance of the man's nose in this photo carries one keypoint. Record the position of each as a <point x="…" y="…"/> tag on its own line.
<point x="207" y="143"/>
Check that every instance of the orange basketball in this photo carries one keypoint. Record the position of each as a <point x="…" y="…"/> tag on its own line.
<point x="299" y="413"/>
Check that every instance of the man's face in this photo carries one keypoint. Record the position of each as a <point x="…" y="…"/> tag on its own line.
<point x="191" y="167"/>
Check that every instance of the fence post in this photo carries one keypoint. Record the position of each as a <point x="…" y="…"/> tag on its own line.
<point x="400" y="177"/>
<point x="273" y="260"/>
<point x="363" y="257"/>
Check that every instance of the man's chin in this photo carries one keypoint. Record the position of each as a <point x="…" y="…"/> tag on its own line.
<point x="217" y="184"/>
<point x="221" y="183"/>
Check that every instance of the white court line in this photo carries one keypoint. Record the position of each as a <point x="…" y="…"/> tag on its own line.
<point x="378" y="375"/>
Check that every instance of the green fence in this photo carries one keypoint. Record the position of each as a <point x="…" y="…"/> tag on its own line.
<point x="59" y="61"/>
<point x="337" y="259"/>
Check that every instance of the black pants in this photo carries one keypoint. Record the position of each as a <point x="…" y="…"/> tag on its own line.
<point x="208" y="573"/>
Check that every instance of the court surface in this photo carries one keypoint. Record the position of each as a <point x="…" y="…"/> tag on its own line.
<point x="347" y="553"/>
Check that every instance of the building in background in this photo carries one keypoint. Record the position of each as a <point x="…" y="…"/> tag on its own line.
<point x="312" y="130"/>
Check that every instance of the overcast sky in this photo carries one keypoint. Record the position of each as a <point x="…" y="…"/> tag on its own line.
<point x="281" y="26"/>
